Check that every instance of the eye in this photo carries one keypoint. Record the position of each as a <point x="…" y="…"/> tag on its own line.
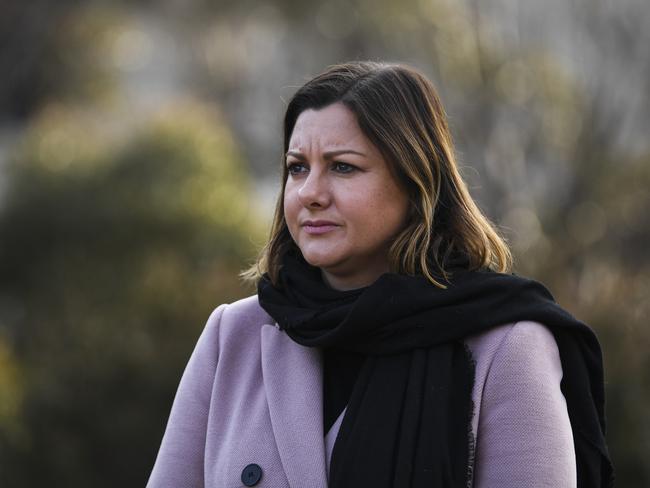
<point x="341" y="167"/>
<point x="296" y="168"/>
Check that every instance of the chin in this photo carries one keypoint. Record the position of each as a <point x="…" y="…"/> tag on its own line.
<point x="320" y="260"/>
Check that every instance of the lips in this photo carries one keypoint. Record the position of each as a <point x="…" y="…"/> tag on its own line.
<point x="317" y="227"/>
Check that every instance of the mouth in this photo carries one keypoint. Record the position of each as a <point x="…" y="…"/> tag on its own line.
<point x="318" y="227"/>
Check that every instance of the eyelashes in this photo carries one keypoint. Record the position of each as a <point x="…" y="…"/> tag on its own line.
<point x="296" y="168"/>
<point x="336" y="166"/>
<point x="344" y="167"/>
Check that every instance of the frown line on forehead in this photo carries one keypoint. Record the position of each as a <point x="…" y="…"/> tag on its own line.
<point x="328" y="154"/>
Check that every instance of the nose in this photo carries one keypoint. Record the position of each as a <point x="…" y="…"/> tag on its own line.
<point x="315" y="191"/>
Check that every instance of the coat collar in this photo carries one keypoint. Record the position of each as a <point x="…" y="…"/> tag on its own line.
<point x="293" y="381"/>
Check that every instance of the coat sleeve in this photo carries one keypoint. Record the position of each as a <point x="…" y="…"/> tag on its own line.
<point x="179" y="463"/>
<point x="524" y="436"/>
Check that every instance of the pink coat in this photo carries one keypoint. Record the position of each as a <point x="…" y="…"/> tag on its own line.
<point x="250" y="395"/>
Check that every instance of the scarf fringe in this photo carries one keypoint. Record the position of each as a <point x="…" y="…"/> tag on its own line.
<point x="471" y="441"/>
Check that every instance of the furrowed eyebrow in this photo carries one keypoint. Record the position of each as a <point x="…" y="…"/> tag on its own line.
<point x="328" y="154"/>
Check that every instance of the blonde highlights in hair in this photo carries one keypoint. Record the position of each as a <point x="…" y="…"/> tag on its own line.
<point x="399" y="111"/>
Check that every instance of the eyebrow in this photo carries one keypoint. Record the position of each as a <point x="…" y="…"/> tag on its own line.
<point x="328" y="154"/>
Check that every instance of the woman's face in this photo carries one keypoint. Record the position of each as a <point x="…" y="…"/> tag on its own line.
<point x="341" y="202"/>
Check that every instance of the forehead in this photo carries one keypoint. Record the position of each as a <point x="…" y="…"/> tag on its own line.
<point x="329" y="126"/>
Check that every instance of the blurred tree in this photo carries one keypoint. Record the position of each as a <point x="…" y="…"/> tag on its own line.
<point x="114" y="249"/>
<point x="50" y="49"/>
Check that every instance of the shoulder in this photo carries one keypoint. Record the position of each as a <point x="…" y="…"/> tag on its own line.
<point x="246" y="310"/>
<point x="521" y="423"/>
<point x="516" y="363"/>
<point x="525" y="341"/>
<point x="244" y="316"/>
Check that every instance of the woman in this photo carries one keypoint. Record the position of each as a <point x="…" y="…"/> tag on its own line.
<point x="388" y="344"/>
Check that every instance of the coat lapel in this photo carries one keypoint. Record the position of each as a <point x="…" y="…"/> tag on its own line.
<point x="293" y="382"/>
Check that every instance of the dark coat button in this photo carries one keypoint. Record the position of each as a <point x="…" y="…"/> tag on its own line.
<point x="251" y="475"/>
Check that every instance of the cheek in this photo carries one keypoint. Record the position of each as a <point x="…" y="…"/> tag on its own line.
<point x="385" y="214"/>
<point x="291" y="207"/>
<point x="378" y="211"/>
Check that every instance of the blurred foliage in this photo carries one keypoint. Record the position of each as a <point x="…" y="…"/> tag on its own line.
<point x="114" y="250"/>
<point x="127" y="212"/>
<point x="51" y="48"/>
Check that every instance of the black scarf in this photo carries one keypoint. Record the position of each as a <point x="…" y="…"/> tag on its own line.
<point x="408" y="420"/>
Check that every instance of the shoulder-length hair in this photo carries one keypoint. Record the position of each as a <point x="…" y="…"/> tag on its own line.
<point x="399" y="111"/>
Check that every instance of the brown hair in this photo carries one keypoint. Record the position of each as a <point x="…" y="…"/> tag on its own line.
<point x="399" y="111"/>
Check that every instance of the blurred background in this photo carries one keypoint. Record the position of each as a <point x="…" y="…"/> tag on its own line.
<point x="140" y="147"/>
